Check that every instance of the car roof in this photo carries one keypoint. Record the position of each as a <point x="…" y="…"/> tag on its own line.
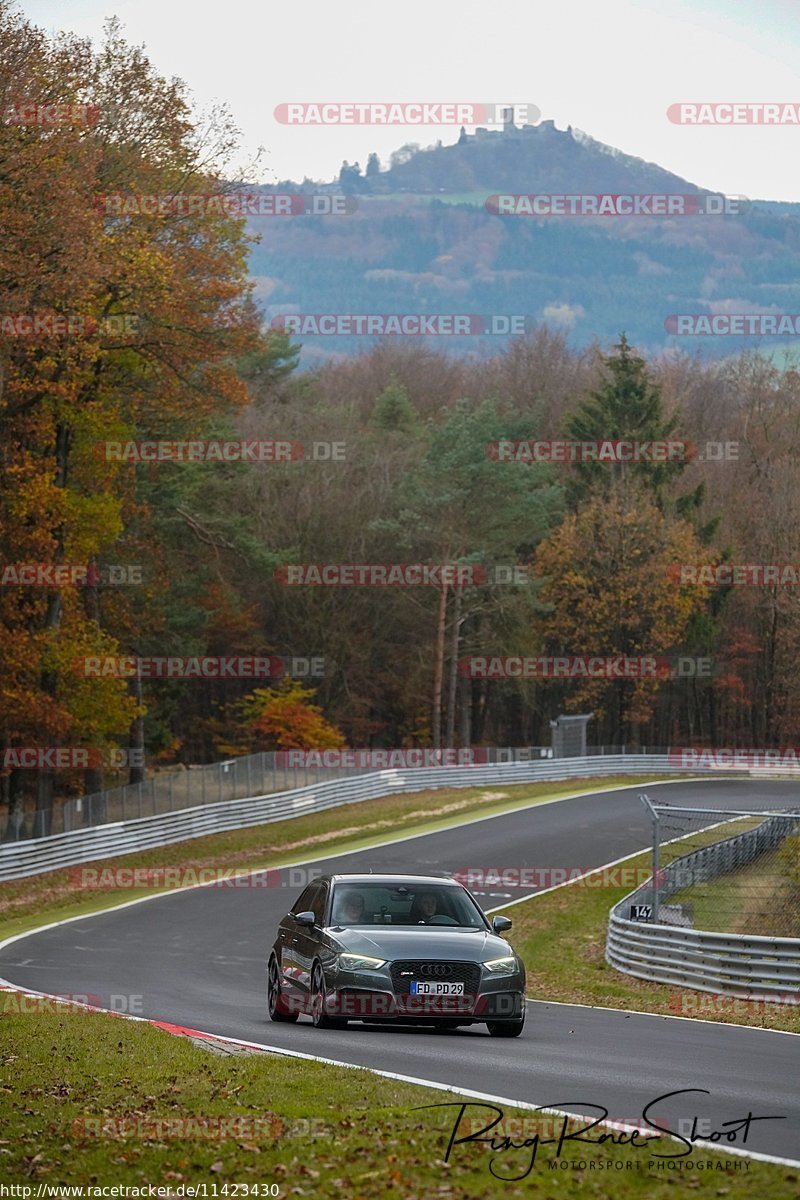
<point x="391" y="880"/>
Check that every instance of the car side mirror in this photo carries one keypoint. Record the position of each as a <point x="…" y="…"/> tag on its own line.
<point x="501" y="924"/>
<point x="305" y="918"/>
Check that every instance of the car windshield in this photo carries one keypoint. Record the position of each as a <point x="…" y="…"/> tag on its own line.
<point x="405" y="904"/>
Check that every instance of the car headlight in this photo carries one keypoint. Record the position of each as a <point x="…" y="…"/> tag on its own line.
<point x="360" y="962"/>
<point x="502" y="966"/>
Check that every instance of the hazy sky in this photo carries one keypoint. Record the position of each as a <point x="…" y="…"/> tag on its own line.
<point x="609" y="68"/>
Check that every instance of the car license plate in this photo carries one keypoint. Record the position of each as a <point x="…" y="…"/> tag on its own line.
<point x="435" y="988"/>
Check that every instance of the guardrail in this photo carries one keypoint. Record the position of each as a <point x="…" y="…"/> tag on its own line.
<point x="35" y="855"/>
<point x="260" y="774"/>
<point x="31" y="857"/>
<point x="744" y="965"/>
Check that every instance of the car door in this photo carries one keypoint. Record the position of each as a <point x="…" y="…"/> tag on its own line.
<point x="290" y="943"/>
<point x="308" y="940"/>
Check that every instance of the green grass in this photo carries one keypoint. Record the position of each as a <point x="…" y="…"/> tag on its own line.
<point x="756" y="899"/>
<point x="82" y="1094"/>
<point x="27" y="903"/>
<point x="316" y="1130"/>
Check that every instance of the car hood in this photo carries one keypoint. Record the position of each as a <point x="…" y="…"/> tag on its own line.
<point x="466" y="946"/>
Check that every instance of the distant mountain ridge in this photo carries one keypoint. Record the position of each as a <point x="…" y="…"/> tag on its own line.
<point x="422" y="241"/>
<point x="527" y="159"/>
<point x="514" y="159"/>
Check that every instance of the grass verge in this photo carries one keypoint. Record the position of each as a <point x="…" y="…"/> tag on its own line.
<point x="84" y="1094"/>
<point x="55" y="895"/>
<point x="756" y="899"/>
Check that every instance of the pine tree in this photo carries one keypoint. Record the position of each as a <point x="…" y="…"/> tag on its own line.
<point x="626" y="406"/>
<point x="393" y="410"/>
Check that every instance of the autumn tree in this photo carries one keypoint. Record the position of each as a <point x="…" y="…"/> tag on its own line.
<point x="284" y="718"/>
<point x="178" y="272"/>
<point x="609" y="574"/>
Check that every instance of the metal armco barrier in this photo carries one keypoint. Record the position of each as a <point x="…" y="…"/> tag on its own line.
<point x="743" y="965"/>
<point x="258" y="774"/>
<point x="35" y="855"/>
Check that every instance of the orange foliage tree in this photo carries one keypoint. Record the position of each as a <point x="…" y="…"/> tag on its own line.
<point x="284" y="718"/>
<point x="156" y="307"/>
<point x="609" y="576"/>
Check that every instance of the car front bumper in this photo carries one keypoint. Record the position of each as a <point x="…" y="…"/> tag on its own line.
<point x="372" y="996"/>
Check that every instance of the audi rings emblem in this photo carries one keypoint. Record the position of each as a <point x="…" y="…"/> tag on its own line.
<point x="439" y="969"/>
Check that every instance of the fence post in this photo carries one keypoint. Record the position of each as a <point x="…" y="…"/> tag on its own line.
<point x="655" y="866"/>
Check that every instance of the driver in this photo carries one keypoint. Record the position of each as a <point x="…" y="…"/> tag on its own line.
<point x="425" y="906"/>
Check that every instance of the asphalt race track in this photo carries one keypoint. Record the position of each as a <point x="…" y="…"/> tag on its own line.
<point x="197" y="958"/>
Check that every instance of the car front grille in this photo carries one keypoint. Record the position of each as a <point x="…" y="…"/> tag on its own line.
<point x="431" y="970"/>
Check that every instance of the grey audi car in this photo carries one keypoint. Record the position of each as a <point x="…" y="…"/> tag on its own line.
<point x="394" y="948"/>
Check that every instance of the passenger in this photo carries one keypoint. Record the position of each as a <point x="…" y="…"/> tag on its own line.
<point x="350" y="909"/>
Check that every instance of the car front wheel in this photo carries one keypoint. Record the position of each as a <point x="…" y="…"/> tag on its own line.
<point x="318" y="1015"/>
